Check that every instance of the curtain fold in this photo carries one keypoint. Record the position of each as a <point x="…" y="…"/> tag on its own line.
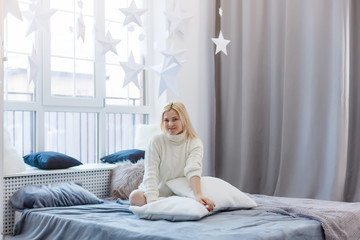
<point x="352" y="191"/>
<point x="282" y="93"/>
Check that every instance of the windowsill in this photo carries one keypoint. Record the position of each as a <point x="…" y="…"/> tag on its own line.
<point x="85" y="167"/>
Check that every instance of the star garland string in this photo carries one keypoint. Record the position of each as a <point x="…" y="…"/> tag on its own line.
<point x="131" y="68"/>
<point x="80" y="23"/>
<point x="33" y="66"/>
<point x="177" y="21"/>
<point x="220" y="42"/>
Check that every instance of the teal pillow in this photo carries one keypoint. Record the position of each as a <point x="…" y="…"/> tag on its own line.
<point x="133" y="155"/>
<point x="50" y="160"/>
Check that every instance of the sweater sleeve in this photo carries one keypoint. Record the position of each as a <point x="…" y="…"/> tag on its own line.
<point x="193" y="166"/>
<point x="151" y="173"/>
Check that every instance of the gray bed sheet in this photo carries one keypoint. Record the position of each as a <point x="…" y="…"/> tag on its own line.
<point x="112" y="220"/>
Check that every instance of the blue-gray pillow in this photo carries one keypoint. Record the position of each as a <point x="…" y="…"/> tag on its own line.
<point x="133" y="155"/>
<point x="52" y="195"/>
<point x="50" y="160"/>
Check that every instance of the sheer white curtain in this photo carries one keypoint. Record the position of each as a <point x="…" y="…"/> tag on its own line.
<point x="282" y="111"/>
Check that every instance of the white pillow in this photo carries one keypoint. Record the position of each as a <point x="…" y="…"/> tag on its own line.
<point x="172" y="208"/>
<point x="13" y="162"/>
<point x="144" y="133"/>
<point x="224" y="195"/>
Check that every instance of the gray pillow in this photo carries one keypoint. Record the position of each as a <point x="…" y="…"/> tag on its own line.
<point x="52" y="195"/>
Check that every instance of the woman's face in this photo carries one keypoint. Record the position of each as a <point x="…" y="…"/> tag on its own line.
<point x="172" y="122"/>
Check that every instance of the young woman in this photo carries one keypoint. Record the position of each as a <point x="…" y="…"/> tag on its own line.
<point x="176" y="153"/>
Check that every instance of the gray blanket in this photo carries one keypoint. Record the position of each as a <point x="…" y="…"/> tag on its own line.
<point x="112" y="220"/>
<point x="339" y="220"/>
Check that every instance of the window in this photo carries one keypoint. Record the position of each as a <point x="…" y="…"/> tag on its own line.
<point x="17" y="49"/>
<point x="64" y="83"/>
<point x="73" y="133"/>
<point x="21" y="124"/>
<point x="71" y="54"/>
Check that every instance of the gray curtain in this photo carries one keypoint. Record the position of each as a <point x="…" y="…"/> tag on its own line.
<point x="352" y="190"/>
<point x="287" y="122"/>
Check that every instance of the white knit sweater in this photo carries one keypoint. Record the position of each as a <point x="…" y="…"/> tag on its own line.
<point x="169" y="157"/>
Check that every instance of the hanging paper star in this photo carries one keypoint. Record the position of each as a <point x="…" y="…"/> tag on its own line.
<point x="167" y="77"/>
<point x="108" y="43"/>
<point x="41" y="19"/>
<point x="12" y="7"/>
<point x="80" y="4"/>
<point x="132" y="14"/>
<point x="177" y="20"/>
<point x="221" y="43"/>
<point x="33" y="69"/>
<point x="81" y="28"/>
<point x="172" y="56"/>
<point x="132" y="70"/>
<point x="131" y="28"/>
<point x="141" y="37"/>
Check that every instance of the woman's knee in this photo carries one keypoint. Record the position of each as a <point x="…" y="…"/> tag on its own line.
<point x="137" y="198"/>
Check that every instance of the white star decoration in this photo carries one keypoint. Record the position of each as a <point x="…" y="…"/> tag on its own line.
<point x="171" y="56"/>
<point x="221" y="43"/>
<point x="108" y="43"/>
<point x="33" y="68"/>
<point x="12" y="7"/>
<point x="80" y="4"/>
<point x="40" y="20"/>
<point x="81" y="28"/>
<point x="132" y="70"/>
<point x="167" y="77"/>
<point x="177" y="20"/>
<point x="141" y="37"/>
<point x="132" y="14"/>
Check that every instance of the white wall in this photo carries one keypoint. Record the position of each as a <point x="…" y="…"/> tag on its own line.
<point x="196" y="78"/>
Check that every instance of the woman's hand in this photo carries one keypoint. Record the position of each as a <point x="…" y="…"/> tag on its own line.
<point x="206" y="202"/>
<point x="195" y="185"/>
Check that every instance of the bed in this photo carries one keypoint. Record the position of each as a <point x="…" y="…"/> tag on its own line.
<point x="112" y="220"/>
<point x="99" y="212"/>
<point x="272" y="218"/>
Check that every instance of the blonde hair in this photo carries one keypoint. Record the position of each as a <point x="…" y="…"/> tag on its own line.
<point x="184" y="117"/>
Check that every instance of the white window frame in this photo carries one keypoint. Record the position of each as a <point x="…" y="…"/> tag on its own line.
<point x="45" y="102"/>
<point x="99" y="61"/>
